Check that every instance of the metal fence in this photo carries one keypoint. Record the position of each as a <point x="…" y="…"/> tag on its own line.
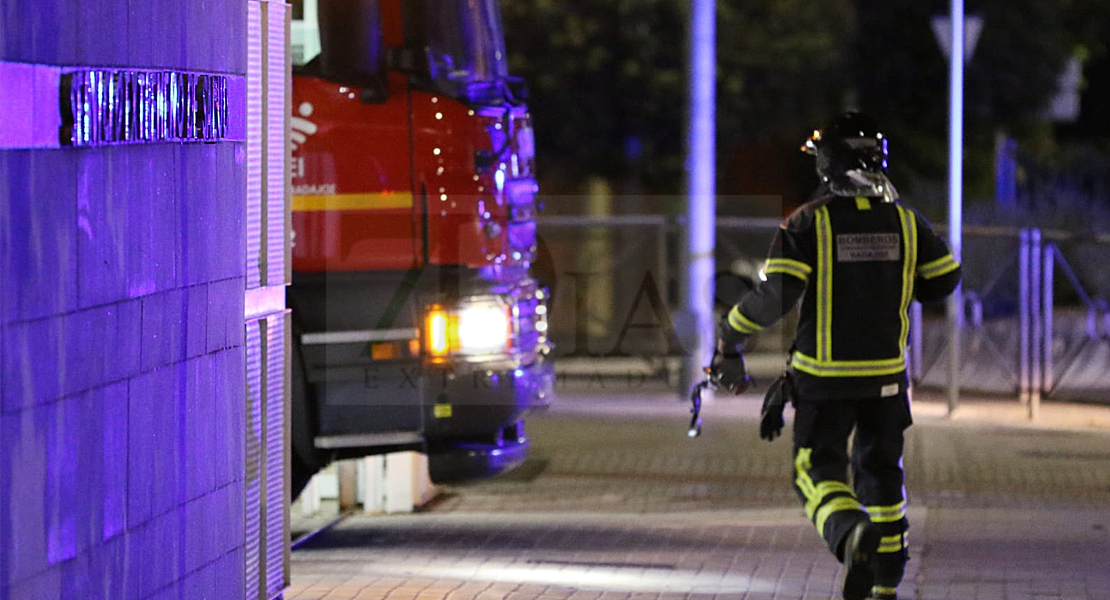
<point x="1037" y="318"/>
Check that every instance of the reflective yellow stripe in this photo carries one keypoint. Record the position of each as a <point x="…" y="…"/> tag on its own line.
<point x="887" y="514"/>
<point x="824" y="284"/>
<point x="823" y="490"/>
<point x="863" y="203"/>
<point x="834" y="506"/>
<point x="815" y="494"/>
<point x="909" y="267"/>
<point x="802" y="465"/>
<point x="941" y="266"/>
<point x="735" y="323"/>
<point x="893" y="543"/>
<point x="352" y="202"/>
<point x="741" y="323"/>
<point x="848" y="368"/>
<point x="879" y="589"/>
<point x="789" y="267"/>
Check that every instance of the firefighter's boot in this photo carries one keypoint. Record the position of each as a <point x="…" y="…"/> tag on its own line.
<point x="859" y="551"/>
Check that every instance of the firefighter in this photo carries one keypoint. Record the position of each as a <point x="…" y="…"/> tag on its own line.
<point x="856" y="258"/>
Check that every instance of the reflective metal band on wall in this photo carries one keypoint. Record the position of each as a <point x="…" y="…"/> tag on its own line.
<point x="88" y="107"/>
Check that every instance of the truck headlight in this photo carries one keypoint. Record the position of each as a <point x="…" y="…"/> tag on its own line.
<point x="484" y="328"/>
<point x="474" y="328"/>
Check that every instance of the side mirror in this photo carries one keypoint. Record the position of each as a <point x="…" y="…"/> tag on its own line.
<point x="352" y="49"/>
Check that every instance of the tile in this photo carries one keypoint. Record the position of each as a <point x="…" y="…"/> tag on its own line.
<point x="196" y="309"/>
<point x="40" y="261"/>
<point x="113" y="410"/>
<point x="23" y="485"/>
<point x="126" y="341"/>
<point x="102" y="574"/>
<point x="158" y="546"/>
<point x="68" y="488"/>
<point x="153" y="444"/>
<point x="15" y="36"/>
<point x="220" y="510"/>
<point x="201" y="443"/>
<point x="102" y="28"/>
<point x="34" y="363"/>
<point x="230" y="410"/>
<point x="54" y="26"/>
<point x="15" y="171"/>
<point x="232" y="24"/>
<point x="103" y="195"/>
<point x="225" y="314"/>
<point x="142" y="34"/>
<point x="47" y="586"/>
<point x="164" y="323"/>
<point x="222" y="579"/>
<point x="153" y="222"/>
<point x="156" y="37"/>
<point x="199" y="31"/>
<point x="87" y="339"/>
<point x="199" y="209"/>
<point x="230" y="187"/>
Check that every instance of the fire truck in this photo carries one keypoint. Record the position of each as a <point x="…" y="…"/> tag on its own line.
<point x="417" y="322"/>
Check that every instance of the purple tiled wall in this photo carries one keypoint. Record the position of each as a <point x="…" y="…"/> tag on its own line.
<point x="121" y="328"/>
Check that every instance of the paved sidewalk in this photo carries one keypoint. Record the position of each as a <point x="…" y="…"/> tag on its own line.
<point x="617" y="503"/>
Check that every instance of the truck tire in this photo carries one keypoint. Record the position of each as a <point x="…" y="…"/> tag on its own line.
<point x="304" y="458"/>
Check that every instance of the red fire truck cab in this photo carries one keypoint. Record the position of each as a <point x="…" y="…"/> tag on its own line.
<point x="417" y="323"/>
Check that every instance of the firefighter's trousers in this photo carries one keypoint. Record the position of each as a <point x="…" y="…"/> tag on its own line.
<point x="821" y="461"/>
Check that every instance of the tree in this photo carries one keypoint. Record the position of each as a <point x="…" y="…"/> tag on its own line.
<point x="903" y="79"/>
<point x="609" y="79"/>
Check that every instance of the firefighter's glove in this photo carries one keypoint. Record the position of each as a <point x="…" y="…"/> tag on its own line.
<point x="728" y="371"/>
<point x="771" y="420"/>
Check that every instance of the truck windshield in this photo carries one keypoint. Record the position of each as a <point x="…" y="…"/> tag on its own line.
<point x="465" y="43"/>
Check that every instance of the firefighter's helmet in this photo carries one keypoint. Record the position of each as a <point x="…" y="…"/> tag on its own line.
<point x="852" y="157"/>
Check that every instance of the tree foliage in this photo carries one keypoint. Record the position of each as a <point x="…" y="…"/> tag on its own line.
<point x="903" y="78"/>
<point x="609" y="78"/>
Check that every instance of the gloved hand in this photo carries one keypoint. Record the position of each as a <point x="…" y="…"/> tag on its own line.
<point x="728" y="370"/>
<point x="771" y="420"/>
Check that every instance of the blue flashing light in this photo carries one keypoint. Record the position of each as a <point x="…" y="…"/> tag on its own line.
<point x="499" y="179"/>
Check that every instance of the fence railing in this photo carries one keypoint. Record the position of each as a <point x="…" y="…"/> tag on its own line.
<point x="1037" y="315"/>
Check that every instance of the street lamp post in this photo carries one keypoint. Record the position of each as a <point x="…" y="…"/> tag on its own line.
<point x="955" y="195"/>
<point x="701" y="200"/>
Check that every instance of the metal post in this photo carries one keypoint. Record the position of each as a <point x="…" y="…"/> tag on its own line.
<point x="1047" y="307"/>
<point x="955" y="195"/>
<point x="1037" y="332"/>
<point x="1024" y="318"/>
<point x="701" y="186"/>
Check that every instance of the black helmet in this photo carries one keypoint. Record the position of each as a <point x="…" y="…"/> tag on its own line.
<point x="851" y="153"/>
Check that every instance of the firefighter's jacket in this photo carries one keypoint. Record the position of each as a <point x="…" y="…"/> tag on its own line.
<point x="856" y="264"/>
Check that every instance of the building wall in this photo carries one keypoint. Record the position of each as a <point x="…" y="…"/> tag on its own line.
<point x="123" y="405"/>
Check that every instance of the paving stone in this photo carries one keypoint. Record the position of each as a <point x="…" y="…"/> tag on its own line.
<point x="619" y="504"/>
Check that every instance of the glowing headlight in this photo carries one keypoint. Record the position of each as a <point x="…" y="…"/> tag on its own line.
<point x="483" y="328"/>
<point x="437" y="334"/>
<point x="478" y="327"/>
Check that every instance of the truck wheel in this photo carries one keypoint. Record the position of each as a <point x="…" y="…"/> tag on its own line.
<point x="305" y="459"/>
